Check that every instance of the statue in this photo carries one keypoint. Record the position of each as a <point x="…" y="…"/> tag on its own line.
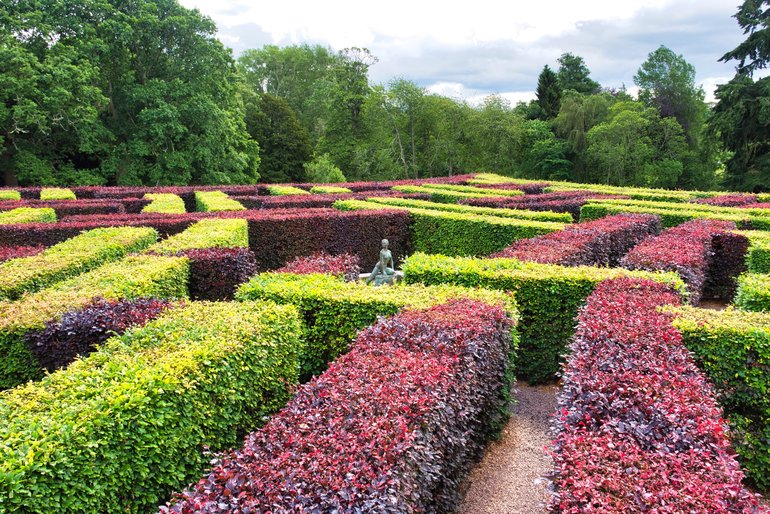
<point x="383" y="272"/>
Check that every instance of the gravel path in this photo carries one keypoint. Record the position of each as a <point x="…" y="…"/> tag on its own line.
<point x="508" y="480"/>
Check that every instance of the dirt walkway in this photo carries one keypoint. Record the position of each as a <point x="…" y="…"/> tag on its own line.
<point x="509" y="480"/>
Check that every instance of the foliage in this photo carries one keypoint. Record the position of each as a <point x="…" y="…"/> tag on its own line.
<point x="573" y="75"/>
<point x="595" y="243"/>
<point x="470" y="209"/>
<point x="215" y="201"/>
<point x="28" y="215"/>
<point x="548" y="93"/>
<point x="729" y="200"/>
<point x="165" y="203"/>
<point x="669" y="217"/>
<point x="548" y="298"/>
<point x="57" y="193"/>
<point x="638" y="427"/>
<point x="216" y="273"/>
<point x="731" y="347"/>
<point x="147" y="401"/>
<point x="17" y="252"/>
<point x="344" y="266"/>
<point x="335" y="310"/>
<point x="207" y="233"/>
<point x="133" y="277"/>
<point x="9" y="194"/>
<point x="752" y="54"/>
<point x="460" y="233"/>
<point x="80" y="331"/>
<point x="758" y="254"/>
<point x="286" y="190"/>
<point x="412" y="404"/>
<point x="325" y="190"/>
<point x="77" y="255"/>
<point x="753" y="292"/>
<point x="322" y="170"/>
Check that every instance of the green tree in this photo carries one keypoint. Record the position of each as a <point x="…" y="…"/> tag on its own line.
<point x="284" y="143"/>
<point x="548" y="93"/>
<point x="754" y="53"/>
<point x="573" y="74"/>
<point x="322" y="170"/>
<point x="542" y="154"/>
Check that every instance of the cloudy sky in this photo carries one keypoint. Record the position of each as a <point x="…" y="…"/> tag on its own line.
<point x="472" y="49"/>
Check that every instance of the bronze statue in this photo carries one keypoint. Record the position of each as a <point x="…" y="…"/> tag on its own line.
<point x="384" y="270"/>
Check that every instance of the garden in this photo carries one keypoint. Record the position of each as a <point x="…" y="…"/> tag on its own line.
<point x="214" y="349"/>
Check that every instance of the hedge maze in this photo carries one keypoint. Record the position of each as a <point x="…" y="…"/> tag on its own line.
<point x="211" y="349"/>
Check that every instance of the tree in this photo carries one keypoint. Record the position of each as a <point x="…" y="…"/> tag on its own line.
<point x="284" y="143"/>
<point x="741" y="118"/>
<point x="322" y="170"/>
<point x="667" y="82"/>
<point x="548" y="93"/>
<point x="574" y="74"/>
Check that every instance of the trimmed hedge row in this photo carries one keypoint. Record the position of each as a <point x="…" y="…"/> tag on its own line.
<point x="285" y="190"/>
<point x="69" y="207"/>
<point x="128" y="424"/>
<point x="470" y="209"/>
<point x="637" y="193"/>
<point x="758" y="254"/>
<point x="456" y="233"/>
<point x="763" y="214"/>
<point x="475" y="189"/>
<point x="79" y="331"/>
<point x="28" y="215"/>
<point x="639" y="429"/>
<point x="548" y="297"/>
<point x="164" y="203"/>
<point x="753" y="292"/>
<point x="16" y="252"/>
<point x="444" y="195"/>
<point x="329" y="190"/>
<point x="344" y="266"/>
<point x="393" y="426"/>
<point x="133" y="277"/>
<point x="215" y="201"/>
<point x="733" y="350"/>
<point x="57" y="193"/>
<point x="9" y="194"/>
<point x="206" y="233"/>
<point x="689" y="249"/>
<point x="602" y="242"/>
<point x="72" y="257"/>
<point x="565" y="202"/>
<point x="335" y="310"/>
<point x="730" y="200"/>
<point x="316" y="200"/>
<point x="491" y="180"/>
<point x="216" y="273"/>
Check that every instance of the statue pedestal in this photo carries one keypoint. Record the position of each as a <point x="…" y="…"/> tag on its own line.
<point x="383" y="279"/>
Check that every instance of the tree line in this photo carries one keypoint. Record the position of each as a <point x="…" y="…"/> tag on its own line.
<point x="142" y="92"/>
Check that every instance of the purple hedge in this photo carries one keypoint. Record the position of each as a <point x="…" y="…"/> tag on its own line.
<point x="215" y="273"/>
<point x="345" y="266"/>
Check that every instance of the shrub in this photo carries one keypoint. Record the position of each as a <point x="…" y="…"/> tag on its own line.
<point x="474" y="189"/>
<point x="344" y="266"/>
<point x="637" y="193"/>
<point x="206" y="233"/>
<point x="16" y="252"/>
<point x="548" y="297"/>
<point x="447" y="196"/>
<point x="127" y="425"/>
<point x="455" y="233"/>
<point x="469" y="209"/>
<point x="335" y="310"/>
<point x="316" y="200"/>
<point x="64" y="208"/>
<point x="133" y="277"/>
<point x="216" y="273"/>
<point x="758" y="253"/>
<point x="79" y="331"/>
<point x="214" y="201"/>
<point x="490" y="180"/>
<point x="329" y="190"/>
<point x="285" y="190"/>
<point x="731" y="200"/>
<point x="753" y="292"/>
<point x="72" y="257"/>
<point x="57" y="193"/>
<point x="638" y="428"/>
<point x="27" y="215"/>
<point x="164" y="203"/>
<point x="9" y="194"/>
<point x="595" y="243"/>
<point x="688" y="250"/>
<point x="563" y="202"/>
<point x="393" y="426"/>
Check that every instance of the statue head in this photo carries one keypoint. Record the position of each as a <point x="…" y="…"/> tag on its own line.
<point x="385" y="244"/>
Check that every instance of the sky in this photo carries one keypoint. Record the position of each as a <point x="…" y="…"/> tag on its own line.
<point x="468" y="50"/>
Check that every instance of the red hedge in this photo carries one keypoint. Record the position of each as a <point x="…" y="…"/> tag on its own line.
<point x="215" y="273"/>
<point x="733" y="200"/>
<point x="317" y="200"/>
<point x="14" y="252"/>
<point x="638" y="428"/>
<point x="344" y="265"/>
<point x="559" y="201"/>
<point x="69" y="207"/>
<point x="602" y="242"/>
<point x="392" y="426"/>
<point x="687" y="249"/>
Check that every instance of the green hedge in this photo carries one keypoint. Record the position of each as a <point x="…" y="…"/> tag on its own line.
<point x="474" y="190"/>
<point x="119" y="431"/>
<point x="670" y="217"/>
<point x="455" y="233"/>
<point x="637" y="193"/>
<point x="753" y="292"/>
<point x="9" y="194"/>
<point x="441" y="195"/>
<point x="72" y="257"/>
<point x="216" y="201"/>
<point x="493" y="178"/>
<point x="548" y="297"/>
<point x="208" y="233"/>
<point x="335" y="310"/>
<point x="57" y="193"/>
<point x="28" y="215"/>
<point x="164" y="203"/>
<point x="758" y="254"/>
<point x="698" y="207"/>
<point x="285" y="190"/>
<point x="133" y="277"/>
<point x="733" y="349"/>
<point x="329" y="190"/>
<point x="561" y="217"/>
